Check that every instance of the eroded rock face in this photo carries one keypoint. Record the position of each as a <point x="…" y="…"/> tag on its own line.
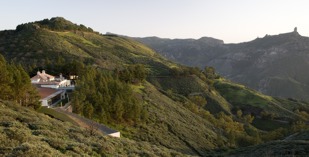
<point x="275" y="64"/>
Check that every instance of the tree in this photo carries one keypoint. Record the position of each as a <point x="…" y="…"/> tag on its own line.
<point x="5" y="80"/>
<point x="132" y="74"/>
<point x="140" y="72"/>
<point x="248" y="118"/>
<point x="15" y="85"/>
<point x="210" y="72"/>
<point x="198" y="100"/>
<point x="77" y="106"/>
<point x="175" y="72"/>
<point x="88" y="109"/>
<point x="118" y="108"/>
<point x="103" y="96"/>
<point x="33" y="98"/>
<point x="92" y="128"/>
<point x="239" y="114"/>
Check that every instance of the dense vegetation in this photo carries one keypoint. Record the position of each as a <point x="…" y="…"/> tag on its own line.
<point x="149" y="99"/>
<point x="101" y="95"/>
<point x="15" y="85"/>
<point x="24" y="132"/>
<point x="56" y="24"/>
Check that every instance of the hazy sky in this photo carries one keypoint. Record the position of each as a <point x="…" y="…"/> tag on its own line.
<point x="230" y="20"/>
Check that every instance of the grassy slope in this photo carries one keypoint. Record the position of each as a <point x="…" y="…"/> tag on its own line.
<point x="193" y="85"/>
<point x="172" y="125"/>
<point x="275" y="148"/>
<point x="254" y="102"/>
<point x="40" y="46"/>
<point x="295" y="145"/>
<point x="28" y="133"/>
<point x="251" y="101"/>
<point x="56" y="115"/>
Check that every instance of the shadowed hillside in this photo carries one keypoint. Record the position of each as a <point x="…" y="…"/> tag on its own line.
<point x="275" y="64"/>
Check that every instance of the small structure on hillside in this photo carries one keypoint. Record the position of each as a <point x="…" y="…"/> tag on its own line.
<point x="52" y="90"/>
<point x="42" y="79"/>
<point x="50" y="96"/>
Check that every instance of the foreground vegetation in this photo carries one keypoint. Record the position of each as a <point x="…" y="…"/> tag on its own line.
<point x="102" y="96"/>
<point x="24" y="132"/>
<point x="15" y="85"/>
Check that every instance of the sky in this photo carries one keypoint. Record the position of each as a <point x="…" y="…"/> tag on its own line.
<point x="233" y="21"/>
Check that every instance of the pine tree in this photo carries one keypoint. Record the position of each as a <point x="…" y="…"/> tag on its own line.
<point x="5" y="80"/>
<point x="88" y="109"/>
<point x="15" y="85"/>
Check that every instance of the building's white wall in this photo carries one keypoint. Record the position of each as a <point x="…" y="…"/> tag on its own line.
<point x="35" y="80"/>
<point x="50" y="86"/>
<point x="44" y="102"/>
<point x="65" y="83"/>
<point x="116" y="134"/>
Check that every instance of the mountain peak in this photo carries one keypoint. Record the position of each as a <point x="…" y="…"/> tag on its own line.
<point x="55" y="24"/>
<point x="211" y="41"/>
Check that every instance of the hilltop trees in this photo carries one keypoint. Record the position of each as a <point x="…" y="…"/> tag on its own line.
<point x="132" y="74"/>
<point x="210" y="72"/>
<point x="15" y="85"/>
<point x="198" y="100"/>
<point x="56" y="24"/>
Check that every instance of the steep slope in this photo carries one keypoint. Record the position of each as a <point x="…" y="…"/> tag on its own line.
<point x="39" y="44"/>
<point x="25" y="132"/>
<point x="296" y="145"/>
<point x="174" y="126"/>
<point x="275" y="65"/>
<point x="258" y="104"/>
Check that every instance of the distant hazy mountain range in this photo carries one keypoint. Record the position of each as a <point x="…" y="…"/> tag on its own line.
<point x="275" y="64"/>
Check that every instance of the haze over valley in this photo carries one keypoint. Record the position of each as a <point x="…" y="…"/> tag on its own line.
<point x="274" y="64"/>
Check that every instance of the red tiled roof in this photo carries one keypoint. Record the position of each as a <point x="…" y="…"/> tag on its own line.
<point x="45" y="92"/>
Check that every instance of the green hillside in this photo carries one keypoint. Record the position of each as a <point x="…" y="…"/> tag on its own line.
<point x="149" y="99"/>
<point x="34" y="44"/>
<point x="269" y="112"/>
<point x="296" y="145"/>
<point x="254" y="102"/>
<point x="24" y="132"/>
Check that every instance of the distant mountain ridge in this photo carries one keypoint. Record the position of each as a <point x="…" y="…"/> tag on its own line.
<point x="275" y="64"/>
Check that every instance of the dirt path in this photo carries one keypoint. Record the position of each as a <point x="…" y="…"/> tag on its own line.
<point x="89" y="124"/>
<point x="289" y="137"/>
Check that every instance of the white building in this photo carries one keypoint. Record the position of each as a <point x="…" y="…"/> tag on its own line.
<point x="48" y="81"/>
<point x="50" y="88"/>
<point x="50" y="96"/>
